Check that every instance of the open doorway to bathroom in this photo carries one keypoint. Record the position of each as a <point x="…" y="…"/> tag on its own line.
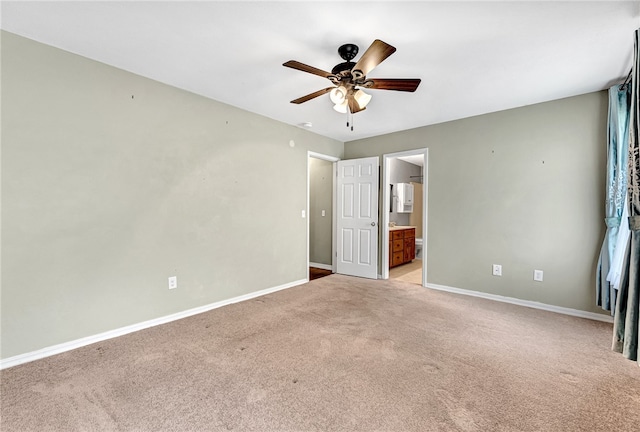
<point x="404" y="216"/>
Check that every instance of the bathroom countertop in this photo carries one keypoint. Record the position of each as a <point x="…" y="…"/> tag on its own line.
<point x="399" y="227"/>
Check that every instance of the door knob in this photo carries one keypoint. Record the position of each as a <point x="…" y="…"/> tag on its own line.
<point x="373" y="224"/>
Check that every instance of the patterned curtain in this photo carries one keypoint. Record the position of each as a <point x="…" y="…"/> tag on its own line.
<point x="611" y="257"/>
<point x="627" y="313"/>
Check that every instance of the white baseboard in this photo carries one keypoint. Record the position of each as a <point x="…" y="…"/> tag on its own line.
<point x="68" y="346"/>
<point x="526" y="303"/>
<point x="320" y="266"/>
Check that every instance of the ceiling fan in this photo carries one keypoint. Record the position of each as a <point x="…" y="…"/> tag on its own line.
<point x="350" y="78"/>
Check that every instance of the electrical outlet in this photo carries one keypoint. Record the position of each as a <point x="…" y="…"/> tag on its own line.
<point x="173" y="282"/>
<point x="497" y="270"/>
<point x="304" y="213"/>
<point x="537" y="275"/>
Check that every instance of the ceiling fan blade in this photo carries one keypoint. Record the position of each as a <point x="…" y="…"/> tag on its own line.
<point x="306" y="68"/>
<point x="406" y="85"/>
<point x="373" y="56"/>
<point x="353" y="105"/>
<point x="312" y="95"/>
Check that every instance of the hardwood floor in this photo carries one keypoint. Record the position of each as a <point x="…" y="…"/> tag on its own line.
<point x="317" y="273"/>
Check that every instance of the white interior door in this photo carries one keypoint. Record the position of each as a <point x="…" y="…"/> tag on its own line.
<point x="357" y="217"/>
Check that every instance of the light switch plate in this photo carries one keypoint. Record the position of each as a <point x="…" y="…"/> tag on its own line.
<point x="538" y="275"/>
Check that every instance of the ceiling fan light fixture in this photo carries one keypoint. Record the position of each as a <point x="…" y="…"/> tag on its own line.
<point x="348" y="77"/>
<point x="338" y="95"/>
<point x="341" y="107"/>
<point x="362" y="98"/>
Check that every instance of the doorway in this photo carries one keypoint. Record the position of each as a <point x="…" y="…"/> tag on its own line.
<point x="321" y="243"/>
<point x="354" y="215"/>
<point x="403" y="172"/>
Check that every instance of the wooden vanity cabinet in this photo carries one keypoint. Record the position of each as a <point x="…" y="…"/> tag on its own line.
<point x="402" y="246"/>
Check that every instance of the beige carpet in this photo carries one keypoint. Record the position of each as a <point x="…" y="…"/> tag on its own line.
<point x="338" y="354"/>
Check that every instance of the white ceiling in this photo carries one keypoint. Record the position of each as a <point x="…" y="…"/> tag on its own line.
<point x="473" y="57"/>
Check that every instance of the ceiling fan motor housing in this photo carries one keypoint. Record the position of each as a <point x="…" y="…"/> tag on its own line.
<point x="348" y="52"/>
<point x="343" y="68"/>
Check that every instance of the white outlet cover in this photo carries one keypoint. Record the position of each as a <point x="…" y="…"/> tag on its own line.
<point x="304" y="213"/>
<point x="173" y="282"/>
<point x="497" y="270"/>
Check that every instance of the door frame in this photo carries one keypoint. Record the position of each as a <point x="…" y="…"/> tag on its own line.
<point x="334" y="235"/>
<point x="384" y="224"/>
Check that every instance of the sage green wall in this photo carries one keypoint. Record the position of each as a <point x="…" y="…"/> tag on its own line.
<point x="523" y="188"/>
<point x="112" y="182"/>
<point x="320" y="198"/>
